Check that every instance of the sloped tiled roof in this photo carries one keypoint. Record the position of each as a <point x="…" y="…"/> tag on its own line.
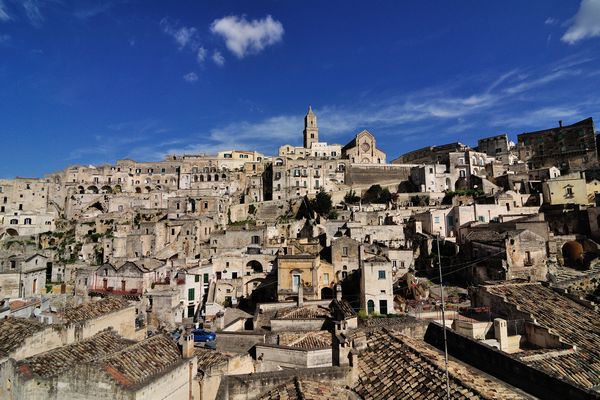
<point x="14" y="331"/>
<point x="397" y="367"/>
<point x="573" y="322"/>
<point x="304" y="312"/>
<point x="306" y="340"/>
<point x="208" y="358"/>
<point x="94" y="309"/>
<point x="54" y="362"/>
<point x="142" y="361"/>
<point x="296" y="389"/>
<point x="343" y="308"/>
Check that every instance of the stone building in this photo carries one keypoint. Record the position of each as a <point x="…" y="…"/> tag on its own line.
<point x="505" y="254"/>
<point x="23" y="276"/>
<point x="566" y="189"/>
<point x="431" y="154"/>
<point x="303" y="275"/>
<point x="26" y="207"/>
<point x="568" y="147"/>
<point x="105" y="366"/>
<point x="376" y="290"/>
<point x="363" y="149"/>
<point x="294" y="178"/>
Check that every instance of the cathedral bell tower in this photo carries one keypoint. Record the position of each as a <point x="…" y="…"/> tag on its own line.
<point x="311" y="131"/>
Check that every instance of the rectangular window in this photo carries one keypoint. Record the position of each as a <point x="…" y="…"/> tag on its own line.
<point x="234" y="275"/>
<point x="197" y="278"/>
<point x="326" y="279"/>
<point x="345" y="251"/>
<point x="205" y="278"/>
<point x="436" y="220"/>
<point x="381" y="274"/>
<point x="191" y="294"/>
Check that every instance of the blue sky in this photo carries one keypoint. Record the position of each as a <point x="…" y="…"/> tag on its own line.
<point x="88" y="82"/>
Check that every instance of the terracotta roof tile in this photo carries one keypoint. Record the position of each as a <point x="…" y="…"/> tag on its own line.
<point x="403" y="368"/>
<point x="142" y="361"/>
<point x="573" y="322"/>
<point x="14" y="331"/>
<point x="94" y="309"/>
<point x="53" y="362"/>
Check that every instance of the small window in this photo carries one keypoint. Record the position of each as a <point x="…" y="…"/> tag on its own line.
<point x="381" y="275"/>
<point x="191" y="294"/>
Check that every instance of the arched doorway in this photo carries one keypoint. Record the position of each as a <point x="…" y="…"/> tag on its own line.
<point x="370" y="307"/>
<point x="255" y="266"/>
<point x="12" y="232"/>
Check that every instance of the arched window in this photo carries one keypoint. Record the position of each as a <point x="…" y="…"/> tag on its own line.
<point x="370" y="307"/>
<point x="216" y="177"/>
<point x="14" y="222"/>
<point x="27" y="221"/>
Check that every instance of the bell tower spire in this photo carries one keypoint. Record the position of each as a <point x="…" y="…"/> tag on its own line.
<point x="311" y="130"/>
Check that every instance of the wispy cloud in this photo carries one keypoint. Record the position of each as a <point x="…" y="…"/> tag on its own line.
<point x="243" y="37"/>
<point x="218" y="58"/>
<point x="201" y="55"/>
<point x="4" y="16"/>
<point x="190" y="77"/>
<point x="93" y="10"/>
<point x="184" y="36"/>
<point x="586" y="23"/>
<point x="551" y="21"/>
<point x="520" y="99"/>
<point x="540" y="81"/>
<point x="539" y="117"/>
<point x="33" y="11"/>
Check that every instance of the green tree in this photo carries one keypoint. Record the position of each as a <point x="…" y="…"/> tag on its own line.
<point x="322" y="203"/>
<point x="351" y="197"/>
<point x="377" y="194"/>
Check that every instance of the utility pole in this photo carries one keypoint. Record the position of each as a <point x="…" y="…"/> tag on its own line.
<point x="443" y="317"/>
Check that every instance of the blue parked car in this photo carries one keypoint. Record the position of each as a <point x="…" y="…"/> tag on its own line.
<point x="200" y="335"/>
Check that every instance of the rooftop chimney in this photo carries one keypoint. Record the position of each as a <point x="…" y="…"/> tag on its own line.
<point x="187" y="348"/>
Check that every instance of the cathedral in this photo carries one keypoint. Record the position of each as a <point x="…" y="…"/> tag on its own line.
<point x="362" y="149"/>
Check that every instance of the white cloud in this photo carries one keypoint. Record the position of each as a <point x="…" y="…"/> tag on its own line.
<point x="184" y="36"/>
<point x="243" y="37"/>
<point x="586" y="23"/>
<point x="32" y="10"/>
<point x="3" y="14"/>
<point x="201" y="55"/>
<point x="533" y="83"/>
<point x="190" y="77"/>
<point x="218" y="58"/>
<point x="550" y="21"/>
<point x="545" y="116"/>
